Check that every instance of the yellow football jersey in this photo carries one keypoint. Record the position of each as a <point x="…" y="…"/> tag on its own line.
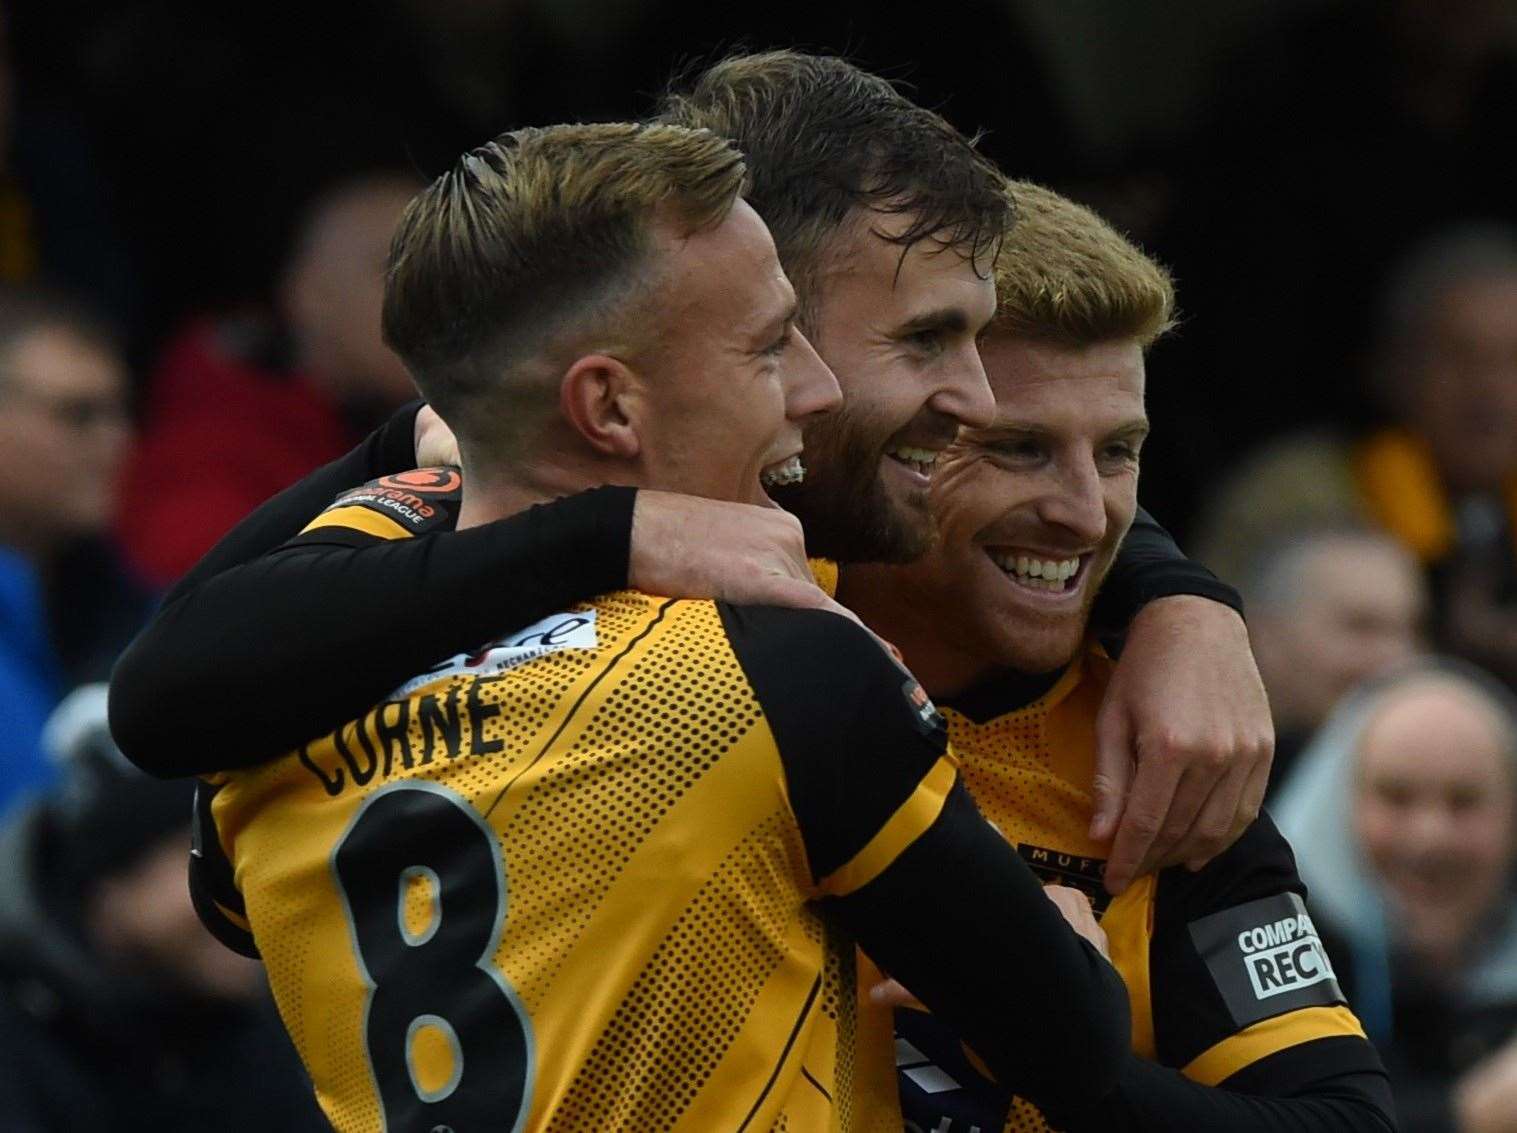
<point x="567" y="881"/>
<point x="1027" y="750"/>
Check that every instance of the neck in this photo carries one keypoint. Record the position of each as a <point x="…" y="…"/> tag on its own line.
<point x="894" y="609"/>
<point x="492" y="493"/>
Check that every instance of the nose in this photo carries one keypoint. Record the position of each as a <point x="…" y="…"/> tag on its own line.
<point x="963" y="391"/>
<point x="811" y="388"/>
<point x="1429" y="828"/>
<point x="1075" y="499"/>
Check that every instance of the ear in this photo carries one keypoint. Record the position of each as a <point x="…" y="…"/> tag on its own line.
<point x="603" y="399"/>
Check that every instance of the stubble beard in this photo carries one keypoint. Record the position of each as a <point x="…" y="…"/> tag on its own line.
<point x="847" y="513"/>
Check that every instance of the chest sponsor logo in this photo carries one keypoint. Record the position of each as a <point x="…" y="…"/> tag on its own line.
<point x="560" y="631"/>
<point x="1074" y="870"/>
<point x="1266" y="958"/>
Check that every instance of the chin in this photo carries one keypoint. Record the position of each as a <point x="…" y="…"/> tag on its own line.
<point x="1037" y="649"/>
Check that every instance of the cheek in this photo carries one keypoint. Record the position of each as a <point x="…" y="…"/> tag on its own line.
<point x="967" y="496"/>
<point x="881" y="392"/>
<point x="1121" y="497"/>
<point x="1375" y="825"/>
<point x="1487" y="835"/>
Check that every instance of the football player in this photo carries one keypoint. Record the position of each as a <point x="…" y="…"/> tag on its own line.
<point x="1238" y="1023"/>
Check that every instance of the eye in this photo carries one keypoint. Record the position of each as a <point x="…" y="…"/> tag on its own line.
<point x="1464" y="799"/>
<point x="779" y="345"/>
<point x="925" y="341"/>
<point x="1017" y="448"/>
<point x="1122" y="452"/>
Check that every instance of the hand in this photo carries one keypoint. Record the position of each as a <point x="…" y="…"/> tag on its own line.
<point x="1081" y="917"/>
<point x="1183" y="740"/>
<point x="1485" y="1099"/>
<point x="687" y="547"/>
<point x="435" y="442"/>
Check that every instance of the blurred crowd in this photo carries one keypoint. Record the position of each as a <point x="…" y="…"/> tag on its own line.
<point x="194" y="210"/>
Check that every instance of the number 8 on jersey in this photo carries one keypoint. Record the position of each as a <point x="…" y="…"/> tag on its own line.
<point x="447" y="1040"/>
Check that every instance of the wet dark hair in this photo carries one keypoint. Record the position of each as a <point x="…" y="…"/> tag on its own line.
<point x="824" y="140"/>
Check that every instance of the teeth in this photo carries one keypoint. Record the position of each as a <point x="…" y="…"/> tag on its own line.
<point x="1038" y="574"/>
<point x="921" y="459"/>
<point x="790" y="471"/>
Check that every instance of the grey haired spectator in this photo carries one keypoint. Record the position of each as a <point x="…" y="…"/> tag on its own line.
<point x="1403" y="815"/>
<point x="1328" y="607"/>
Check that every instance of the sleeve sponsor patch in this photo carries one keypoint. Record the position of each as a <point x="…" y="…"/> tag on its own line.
<point x="1266" y="958"/>
<point x="404" y="504"/>
<point x="925" y="716"/>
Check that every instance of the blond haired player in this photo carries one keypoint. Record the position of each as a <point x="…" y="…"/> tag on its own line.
<point x="1238" y="1024"/>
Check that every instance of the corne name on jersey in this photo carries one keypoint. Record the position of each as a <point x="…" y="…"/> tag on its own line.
<point x="451" y="718"/>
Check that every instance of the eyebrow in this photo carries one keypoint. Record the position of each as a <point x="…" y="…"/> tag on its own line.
<point x="943" y="318"/>
<point x="1005" y="427"/>
<point x="766" y="332"/>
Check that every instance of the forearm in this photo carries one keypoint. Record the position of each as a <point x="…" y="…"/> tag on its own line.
<point x="1152" y="566"/>
<point x="268" y="654"/>
<point x="1150" y="1098"/>
<point x="961" y="921"/>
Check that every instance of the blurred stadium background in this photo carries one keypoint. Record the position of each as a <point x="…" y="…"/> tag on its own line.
<point x="206" y="190"/>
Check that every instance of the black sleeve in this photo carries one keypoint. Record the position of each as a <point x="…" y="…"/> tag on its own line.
<point x="1234" y="945"/>
<point x="1149" y="566"/>
<point x="389" y="448"/>
<point x="335" y="628"/>
<point x="960" y="920"/>
<point x="1155" y="1099"/>
<point x="941" y="900"/>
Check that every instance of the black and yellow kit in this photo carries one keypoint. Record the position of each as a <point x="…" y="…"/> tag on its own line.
<point x="1227" y="978"/>
<point x="579" y="878"/>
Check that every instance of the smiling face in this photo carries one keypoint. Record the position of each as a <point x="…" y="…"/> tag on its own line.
<point x="733" y="382"/>
<point x="899" y="331"/>
<point x="1434" y="813"/>
<point x="1030" y="512"/>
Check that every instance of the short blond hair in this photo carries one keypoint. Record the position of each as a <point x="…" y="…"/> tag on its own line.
<point x="538" y="241"/>
<point x="1064" y="274"/>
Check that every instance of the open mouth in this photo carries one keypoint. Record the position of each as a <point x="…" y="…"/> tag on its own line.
<point x="918" y="460"/>
<point x="787" y="471"/>
<point x="1036" y="572"/>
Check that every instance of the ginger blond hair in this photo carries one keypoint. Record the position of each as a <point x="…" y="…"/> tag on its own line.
<point x="1065" y="275"/>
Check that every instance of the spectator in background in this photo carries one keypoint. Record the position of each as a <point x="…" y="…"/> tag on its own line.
<point x="1403" y="814"/>
<point x="67" y="606"/>
<point x="1442" y="476"/>
<point x="118" y="1011"/>
<point x="241" y="407"/>
<point x="1328" y="608"/>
